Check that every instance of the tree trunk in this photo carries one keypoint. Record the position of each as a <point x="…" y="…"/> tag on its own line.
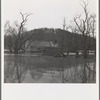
<point x="10" y="51"/>
<point x="85" y="46"/>
<point x="95" y="52"/>
<point x="77" y="54"/>
<point x="67" y="53"/>
<point x="85" y="54"/>
<point x="15" y="51"/>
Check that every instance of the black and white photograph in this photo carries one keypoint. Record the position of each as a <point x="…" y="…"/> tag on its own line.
<point x="50" y="41"/>
<point x="49" y="50"/>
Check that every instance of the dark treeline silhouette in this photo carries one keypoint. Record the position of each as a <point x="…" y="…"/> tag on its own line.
<point x="67" y="41"/>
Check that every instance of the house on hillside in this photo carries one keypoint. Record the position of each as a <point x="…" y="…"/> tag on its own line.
<point x="39" y="46"/>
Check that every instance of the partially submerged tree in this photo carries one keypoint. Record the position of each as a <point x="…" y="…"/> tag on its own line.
<point x="93" y="30"/>
<point x="84" y="25"/>
<point x="17" y="32"/>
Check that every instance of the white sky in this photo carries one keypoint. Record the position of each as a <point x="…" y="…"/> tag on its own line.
<point x="46" y="13"/>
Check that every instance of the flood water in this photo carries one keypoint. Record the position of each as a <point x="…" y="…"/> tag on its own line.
<point x="45" y="69"/>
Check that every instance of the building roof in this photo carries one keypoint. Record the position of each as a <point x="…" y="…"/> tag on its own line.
<point x="42" y="44"/>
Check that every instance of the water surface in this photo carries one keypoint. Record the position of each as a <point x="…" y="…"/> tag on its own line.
<point x="45" y="69"/>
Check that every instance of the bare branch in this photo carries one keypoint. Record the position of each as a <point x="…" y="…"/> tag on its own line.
<point x="75" y="20"/>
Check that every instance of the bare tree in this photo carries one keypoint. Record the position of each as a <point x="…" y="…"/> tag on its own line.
<point x="64" y="23"/>
<point x="93" y="25"/>
<point x="93" y="30"/>
<point x="17" y="31"/>
<point x="83" y="24"/>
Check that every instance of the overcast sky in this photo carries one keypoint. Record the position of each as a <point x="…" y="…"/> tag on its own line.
<point x="46" y="13"/>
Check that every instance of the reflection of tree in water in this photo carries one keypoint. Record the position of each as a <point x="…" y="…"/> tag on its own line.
<point x="55" y="70"/>
<point x="89" y="72"/>
<point x="35" y="73"/>
<point x="15" y="70"/>
<point x="75" y="72"/>
<point x="57" y="75"/>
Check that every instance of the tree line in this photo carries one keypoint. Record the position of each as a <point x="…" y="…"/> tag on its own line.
<point x="67" y="41"/>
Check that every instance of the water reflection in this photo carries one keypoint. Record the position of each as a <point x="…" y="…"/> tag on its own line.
<point x="14" y="70"/>
<point x="30" y="69"/>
